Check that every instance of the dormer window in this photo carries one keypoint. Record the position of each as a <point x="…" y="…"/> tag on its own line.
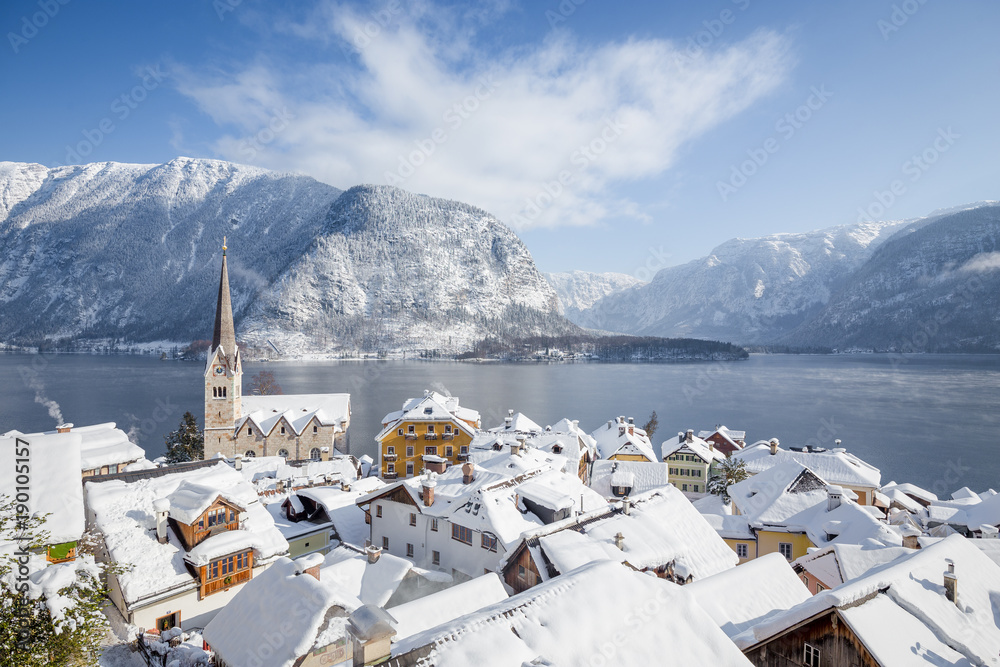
<point x="428" y="411"/>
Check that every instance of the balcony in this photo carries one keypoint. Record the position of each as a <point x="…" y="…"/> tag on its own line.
<point x="462" y="458"/>
<point x="226" y="582"/>
<point x="448" y="436"/>
<point x="388" y="457"/>
<point x="410" y="436"/>
<point x="430" y="436"/>
<point x="390" y="475"/>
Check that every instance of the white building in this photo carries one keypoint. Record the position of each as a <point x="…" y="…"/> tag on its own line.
<point x="622" y="440"/>
<point x="104" y="449"/>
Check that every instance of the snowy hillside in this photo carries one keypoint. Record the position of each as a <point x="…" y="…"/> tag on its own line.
<point x="746" y="290"/>
<point x="131" y="253"/>
<point x="579" y="290"/>
<point x="934" y="286"/>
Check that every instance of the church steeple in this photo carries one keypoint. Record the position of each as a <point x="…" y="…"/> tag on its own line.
<point x="224" y="333"/>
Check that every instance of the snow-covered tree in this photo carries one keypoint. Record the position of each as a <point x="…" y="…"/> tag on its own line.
<point x="50" y="614"/>
<point x="727" y="473"/>
<point x="187" y="442"/>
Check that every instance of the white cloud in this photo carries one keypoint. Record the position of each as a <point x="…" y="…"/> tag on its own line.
<point x="422" y="108"/>
<point x="983" y="262"/>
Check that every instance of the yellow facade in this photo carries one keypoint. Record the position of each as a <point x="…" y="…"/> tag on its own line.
<point x="769" y="542"/>
<point x="627" y="457"/>
<point x="404" y="447"/>
<point x="749" y="543"/>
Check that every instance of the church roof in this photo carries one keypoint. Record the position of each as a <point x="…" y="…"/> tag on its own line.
<point x="297" y="409"/>
<point x="224" y="333"/>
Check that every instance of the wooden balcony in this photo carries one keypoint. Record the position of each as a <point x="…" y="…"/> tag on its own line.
<point x="228" y="581"/>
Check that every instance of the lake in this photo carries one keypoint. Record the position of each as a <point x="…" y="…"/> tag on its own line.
<point x="927" y="419"/>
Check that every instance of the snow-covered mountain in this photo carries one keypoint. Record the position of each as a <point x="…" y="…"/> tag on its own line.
<point x="579" y="290"/>
<point x="933" y="287"/>
<point x="129" y="252"/>
<point x="746" y="290"/>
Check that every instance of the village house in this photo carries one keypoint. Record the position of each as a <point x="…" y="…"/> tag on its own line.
<point x="317" y="518"/>
<point x="789" y="509"/>
<point x="658" y="532"/>
<point x="602" y="613"/>
<point x="432" y="430"/>
<point x="622" y="440"/>
<point x="617" y="479"/>
<point x="463" y="520"/>
<point x="40" y="475"/>
<point x="933" y="606"/>
<point x="739" y="598"/>
<point x="836" y="466"/>
<point x="725" y="440"/>
<point x="567" y="447"/>
<point x="104" y="449"/>
<point x="288" y="425"/>
<point x="837" y="564"/>
<point x="691" y="462"/>
<point x="189" y="537"/>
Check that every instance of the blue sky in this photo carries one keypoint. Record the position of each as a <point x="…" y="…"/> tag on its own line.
<point x="611" y="136"/>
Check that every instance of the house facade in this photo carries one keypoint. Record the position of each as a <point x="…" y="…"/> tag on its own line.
<point x="430" y="431"/>
<point x="691" y="462"/>
<point x="621" y="440"/>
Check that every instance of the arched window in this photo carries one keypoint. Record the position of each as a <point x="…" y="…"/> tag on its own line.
<point x="223" y="392"/>
<point x="249" y="454"/>
<point x="283" y="453"/>
<point x="314" y="453"/>
<point x="215" y="392"/>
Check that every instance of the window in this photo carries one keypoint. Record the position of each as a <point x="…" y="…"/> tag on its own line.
<point x="673" y="471"/>
<point x="385" y="543"/>
<point x="489" y="542"/>
<point x="224" y="567"/>
<point x="694" y="487"/>
<point x="314" y="454"/>
<point x="409" y="450"/>
<point x="413" y="519"/>
<point x="785" y="549"/>
<point x="447" y="428"/>
<point x="464" y="449"/>
<point x="684" y="487"/>
<point x="282" y="430"/>
<point x="390" y="468"/>
<point x="390" y="450"/>
<point x="430" y="428"/>
<point x="315" y="429"/>
<point x="811" y="656"/>
<point x="430" y="450"/>
<point x="283" y="453"/>
<point x="820" y="587"/>
<point x="378" y="511"/>
<point x="399" y="432"/>
<point x="449" y="451"/>
<point x="409" y="469"/>
<point x="742" y="551"/>
<point x="436" y="557"/>
<point x="520" y="570"/>
<point x="697" y="473"/>
<point x="411" y="429"/>
<point x="434" y="525"/>
<point x="249" y="432"/>
<point x="409" y="550"/>
<point x="249" y="454"/>
<point x="461" y="533"/>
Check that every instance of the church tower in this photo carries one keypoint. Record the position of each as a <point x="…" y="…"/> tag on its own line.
<point x="223" y="375"/>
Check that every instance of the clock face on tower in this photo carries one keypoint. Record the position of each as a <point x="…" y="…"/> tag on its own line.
<point x="219" y="370"/>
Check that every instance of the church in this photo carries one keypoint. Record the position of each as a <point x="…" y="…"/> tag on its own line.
<point x="297" y="427"/>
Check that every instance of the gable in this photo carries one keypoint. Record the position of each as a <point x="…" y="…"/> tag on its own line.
<point x="397" y="494"/>
<point x="807" y="481"/>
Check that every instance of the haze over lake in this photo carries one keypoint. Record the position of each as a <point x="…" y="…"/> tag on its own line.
<point x="927" y="419"/>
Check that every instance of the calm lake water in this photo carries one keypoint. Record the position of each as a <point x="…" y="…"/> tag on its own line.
<point x="931" y="419"/>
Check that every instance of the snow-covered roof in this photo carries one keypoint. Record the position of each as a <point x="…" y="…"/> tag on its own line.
<point x="645" y="476"/>
<point x="911" y="490"/>
<point x="190" y="500"/>
<point x="370" y="583"/>
<point x="568" y="620"/>
<point x="840" y="563"/>
<point x="444" y="606"/>
<point x="908" y="596"/>
<point x="432" y="407"/>
<point x="240" y="632"/>
<point x="124" y="513"/>
<point x="722" y="519"/>
<point x="51" y="464"/>
<point x="348" y="519"/>
<point x="298" y="410"/>
<point x="739" y="598"/>
<point x="696" y="446"/>
<point x="727" y="434"/>
<point x="620" y="437"/>
<point x="519" y="423"/>
<point x="836" y="466"/>
<point x="100" y="445"/>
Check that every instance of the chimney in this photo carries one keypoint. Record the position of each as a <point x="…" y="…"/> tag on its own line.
<point x="689" y="436"/>
<point x="774" y="446"/>
<point x="951" y="582"/>
<point x="834" y="495"/>
<point x="711" y="445"/>
<point x="161" y="508"/>
<point x="468" y="473"/>
<point x="631" y="420"/>
<point x="517" y="446"/>
<point x="64" y="428"/>
<point x="280" y="486"/>
<point x="309" y="565"/>
<point x="373" y="553"/>
<point x="626" y="505"/>
<point x="508" y="422"/>
<point x="428" y="484"/>
<point x="620" y="542"/>
<point x="239" y="462"/>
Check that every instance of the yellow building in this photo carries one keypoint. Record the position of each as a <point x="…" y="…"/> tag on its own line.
<point x="431" y="432"/>
<point x="622" y="440"/>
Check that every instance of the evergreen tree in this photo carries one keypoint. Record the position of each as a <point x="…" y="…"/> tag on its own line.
<point x="727" y="473"/>
<point x="651" y="425"/>
<point x="186" y="443"/>
<point x="30" y="635"/>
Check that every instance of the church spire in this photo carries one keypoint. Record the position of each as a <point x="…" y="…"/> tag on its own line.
<point x="224" y="333"/>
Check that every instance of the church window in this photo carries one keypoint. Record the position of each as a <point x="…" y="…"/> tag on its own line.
<point x="283" y="453"/>
<point x="315" y="429"/>
<point x="314" y="453"/>
<point x="249" y="454"/>
<point x="282" y="430"/>
<point x="249" y="432"/>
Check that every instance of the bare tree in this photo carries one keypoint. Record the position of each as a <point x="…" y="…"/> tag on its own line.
<point x="263" y="383"/>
